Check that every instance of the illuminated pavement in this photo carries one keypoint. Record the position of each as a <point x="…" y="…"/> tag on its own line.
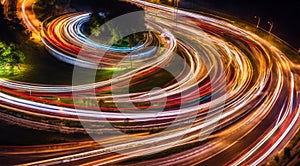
<point x="233" y="82"/>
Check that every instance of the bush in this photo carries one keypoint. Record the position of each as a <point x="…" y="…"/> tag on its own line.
<point x="10" y="57"/>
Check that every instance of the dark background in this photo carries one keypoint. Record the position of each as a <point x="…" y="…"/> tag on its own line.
<point x="285" y="14"/>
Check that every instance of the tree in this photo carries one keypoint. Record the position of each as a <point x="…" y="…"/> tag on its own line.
<point x="12" y="30"/>
<point x="44" y="9"/>
<point x="94" y="23"/>
<point x="102" y="30"/>
<point x="2" y="16"/>
<point x="10" y="56"/>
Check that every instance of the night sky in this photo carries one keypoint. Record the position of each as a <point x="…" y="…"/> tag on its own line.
<point x="284" y="14"/>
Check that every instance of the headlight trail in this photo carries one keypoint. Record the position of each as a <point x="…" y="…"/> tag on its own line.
<point x="221" y="61"/>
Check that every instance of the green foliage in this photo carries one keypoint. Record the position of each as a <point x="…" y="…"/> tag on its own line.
<point x="112" y="34"/>
<point x="10" y="57"/>
<point x="101" y="29"/>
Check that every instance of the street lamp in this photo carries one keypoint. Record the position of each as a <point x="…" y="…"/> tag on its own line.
<point x="258" y="21"/>
<point x="175" y="3"/>
<point x="271" y="26"/>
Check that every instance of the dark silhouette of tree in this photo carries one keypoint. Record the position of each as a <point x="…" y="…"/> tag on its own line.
<point x="12" y="31"/>
<point x="2" y="16"/>
<point x="50" y="8"/>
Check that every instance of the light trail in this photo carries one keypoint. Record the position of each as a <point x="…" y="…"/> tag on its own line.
<point x="220" y="61"/>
